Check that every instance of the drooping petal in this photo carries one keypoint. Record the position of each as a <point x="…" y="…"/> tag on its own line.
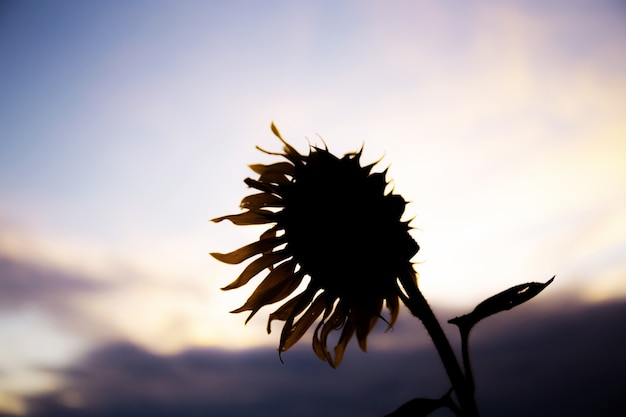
<point x="291" y="308"/>
<point x="249" y="251"/>
<point x="393" y="305"/>
<point x="318" y="347"/>
<point x="249" y="217"/>
<point x="255" y="267"/>
<point x="364" y="322"/>
<point x="291" y="192"/>
<point x="278" y="284"/>
<point x="293" y="332"/>
<point x="346" y="335"/>
<point x="335" y="322"/>
<point x="269" y="234"/>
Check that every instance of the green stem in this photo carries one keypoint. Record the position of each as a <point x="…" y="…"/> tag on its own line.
<point x="419" y="307"/>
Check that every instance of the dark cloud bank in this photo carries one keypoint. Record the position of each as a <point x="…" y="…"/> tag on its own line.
<point x="537" y="362"/>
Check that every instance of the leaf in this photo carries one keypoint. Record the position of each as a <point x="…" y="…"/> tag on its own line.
<point x="505" y="300"/>
<point x="418" y="407"/>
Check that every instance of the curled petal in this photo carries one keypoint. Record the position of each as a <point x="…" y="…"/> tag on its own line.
<point x="249" y="251"/>
<point x="346" y="335"/>
<point x="255" y="267"/>
<point x="290" y="152"/>
<point x="335" y="322"/>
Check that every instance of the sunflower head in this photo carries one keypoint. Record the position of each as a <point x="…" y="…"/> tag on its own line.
<point x="333" y="223"/>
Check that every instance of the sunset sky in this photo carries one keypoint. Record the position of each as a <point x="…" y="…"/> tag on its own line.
<point x="126" y="126"/>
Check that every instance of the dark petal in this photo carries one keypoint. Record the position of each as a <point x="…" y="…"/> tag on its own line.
<point x="394" y="206"/>
<point x="261" y="186"/>
<point x="291" y="308"/>
<point x="269" y="234"/>
<point x="283" y="289"/>
<point x="293" y="332"/>
<point x="346" y="335"/>
<point x="257" y="201"/>
<point x="393" y="305"/>
<point x="378" y="182"/>
<point x="274" y="178"/>
<point x="255" y="267"/>
<point x="320" y="348"/>
<point x="285" y="168"/>
<point x="335" y="322"/>
<point x="249" y="217"/>
<point x="248" y="251"/>
<point x="278" y="284"/>
<point x="291" y="152"/>
<point x="368" y="168"/>
<point x="364" y="321"/>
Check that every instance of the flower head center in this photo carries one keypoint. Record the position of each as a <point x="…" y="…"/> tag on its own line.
<point x="340" y="224"/>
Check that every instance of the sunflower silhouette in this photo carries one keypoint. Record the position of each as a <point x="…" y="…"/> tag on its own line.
<point x="331" y="221"/>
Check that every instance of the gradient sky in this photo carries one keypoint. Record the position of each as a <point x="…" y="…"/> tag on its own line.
<point x="126" y="126"/>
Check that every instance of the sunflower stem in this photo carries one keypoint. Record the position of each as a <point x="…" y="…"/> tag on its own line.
<point x="467" y="363"/>
<point x="463" y="387"/>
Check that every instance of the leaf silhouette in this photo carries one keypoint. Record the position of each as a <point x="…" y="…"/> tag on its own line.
<point x="505" y="300"/>
<point x="418" y="407"/>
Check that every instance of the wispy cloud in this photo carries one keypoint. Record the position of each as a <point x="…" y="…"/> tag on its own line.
<point x="22" y="284"/>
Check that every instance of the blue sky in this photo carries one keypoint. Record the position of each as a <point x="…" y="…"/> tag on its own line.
<point x="126" y="126"/>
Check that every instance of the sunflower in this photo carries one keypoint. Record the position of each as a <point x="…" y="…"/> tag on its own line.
<point x="331" y="221"/>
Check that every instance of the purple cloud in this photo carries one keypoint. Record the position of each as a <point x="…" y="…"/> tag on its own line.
<point x="540" y="363"/>
<point x="22" y="283"/>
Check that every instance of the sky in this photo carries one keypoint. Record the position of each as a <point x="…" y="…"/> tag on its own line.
<point x="126" y="126"/>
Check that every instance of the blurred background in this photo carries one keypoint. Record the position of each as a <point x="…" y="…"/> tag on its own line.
<point x="126" y="126"/>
